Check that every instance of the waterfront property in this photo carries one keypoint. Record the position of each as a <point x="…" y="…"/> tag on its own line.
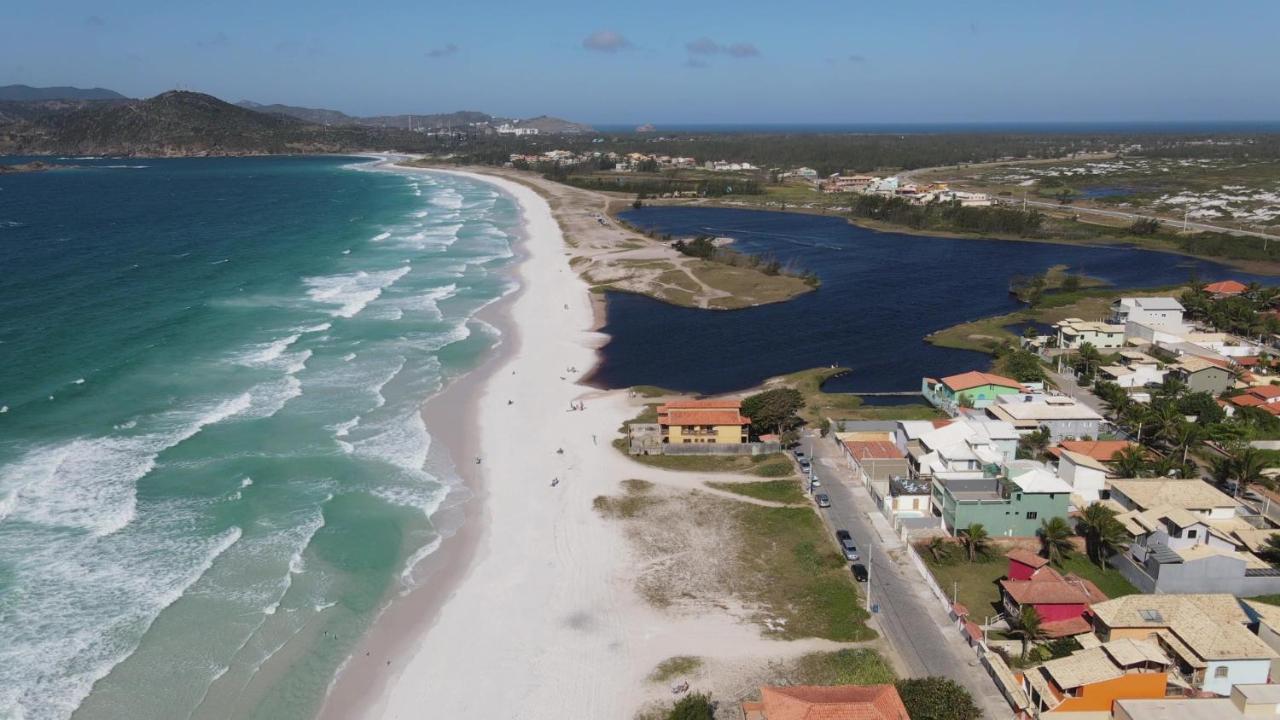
<point x="970" y="389"/>
<point x="1074" y="332"/>
<point x="831" y="702"/>
<point x="1205" y="635"/>
<point x="717" y="422"/>
<point x="1060" y="601"/>
<point x="1225" y="289"/>
<point x="1009" y="503"/>
<point x="1160" y="312"/>
<point x="1088" y="682"/>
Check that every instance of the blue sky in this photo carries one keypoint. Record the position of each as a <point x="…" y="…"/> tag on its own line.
<point x="658" y="61"/>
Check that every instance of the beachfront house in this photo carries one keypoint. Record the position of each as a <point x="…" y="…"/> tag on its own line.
<point x="1074" y="332"/>
<point x="973" y="389"/>
<point x="826" y="702"/>
<point x="696" y="422"/>
<point x="1086" y="683"/>
<point x="1158" y="312"/>
<point x="1205" y="635"/>
<point x="1009" y="502"/>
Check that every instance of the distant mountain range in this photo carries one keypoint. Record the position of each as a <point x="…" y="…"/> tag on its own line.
<point x="181" y="123"/>
<point x="26" y="93"/>
<point x="463" y="118"/>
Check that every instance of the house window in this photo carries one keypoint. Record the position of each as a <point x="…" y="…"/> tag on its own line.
<point x="1191" y="534"/>
<point x="1031" y="515"/>
<point x="687" y="441"/>
<point x="1221" y="671"/>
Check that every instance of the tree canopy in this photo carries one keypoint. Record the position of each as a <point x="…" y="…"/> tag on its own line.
<point x="773" y="411"/>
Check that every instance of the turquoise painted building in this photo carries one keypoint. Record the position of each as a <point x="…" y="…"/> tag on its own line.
<point x="1011" y="504"/>
<point x="980" y="389"/>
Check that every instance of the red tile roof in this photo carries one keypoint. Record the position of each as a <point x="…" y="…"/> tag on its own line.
<point x="1100" y="450"/>
<point x="837" y="702"/>
<point x="877" y="449"/>
<point x="1226" y="287"/>
<point x="973" y="379"/>
<point x="701" y="405"/>
<point x="1266" y="392"/>
<point x="703" y="417"/>
<point x="1048" y="587"/>
<point x="1064" y="628"/>
<point x="1026" y="557"/>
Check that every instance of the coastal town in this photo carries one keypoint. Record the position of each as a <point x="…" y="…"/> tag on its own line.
<point x="1102" y="541"/>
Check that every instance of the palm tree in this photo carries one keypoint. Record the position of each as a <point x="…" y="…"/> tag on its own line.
<point x="1271" y="549"/>
<point x="1027" y="627"/>
<point x="1034" y="444"/>
<point x="938" y="548"/>
<point x="1103" y="533"/>
<point x="976" y="540"/>
<point x="1187" y="435"/>
<point x="1249" y="466"/>
<point x="1167" y="419"/>
<point x="1130" y="462"/>
<point x="1056" y="534"/>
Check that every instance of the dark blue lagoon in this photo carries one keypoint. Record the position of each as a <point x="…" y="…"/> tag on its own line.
<point x="881" y="293"/>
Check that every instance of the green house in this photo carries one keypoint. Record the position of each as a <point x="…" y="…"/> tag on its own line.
<point x="1009" y="505"/>
<point x="980" y="389"/>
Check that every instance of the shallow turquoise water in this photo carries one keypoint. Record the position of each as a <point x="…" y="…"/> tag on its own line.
<point x="211" y="451"/>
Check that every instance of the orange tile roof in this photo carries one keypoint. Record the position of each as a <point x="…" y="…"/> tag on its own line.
<point x="837" y="702"/>
<point x="1226" y="287"/>
<point x="973" y="379"/>
<point x="712" y="403"/>
<point x="1100" y="450"/>
<point x="878" y="449"/>
<point x="703" y="417"/>
<point x="1048" y="587"/>
<point x="1266" y="392"/>
<point x="1069" y="626"/>
<point x="1026" y="557"/>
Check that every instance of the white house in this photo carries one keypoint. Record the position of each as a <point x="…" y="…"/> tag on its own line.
<point x="1074" y="332"/>
<point x="1194" y="495"/>
<point x="1062" y="416"/>
<point x="1152" y="311"/>
<point x="1136" y="369"/>
<point x="1086" y="475"/>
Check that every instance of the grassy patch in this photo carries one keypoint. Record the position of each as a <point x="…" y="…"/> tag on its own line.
<point x="855" y="666"/>
<point x="630" y="504"/>
<point x="769" y="465"/>
<point x="793" y="572"/>
<point x="1266" y="599"/>
<point x="974" y="584"/>
<point x="782" y="491"/>
<point x="1109" y="581"/>
<point x="898" y="412"/>
<point x="675" y="667"/>
<point x="650" y="391"/>
<point x="746" y="286"/>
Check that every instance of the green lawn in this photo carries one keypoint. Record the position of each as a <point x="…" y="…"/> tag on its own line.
<point x="974" y="584"/>
<point x="783" y="491"/>
<point x="793" y="571"/>
<point x="1266" y="599"/>
<point x="771" y="465"/>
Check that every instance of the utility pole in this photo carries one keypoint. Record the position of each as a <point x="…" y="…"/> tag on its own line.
<point x="1185" y="215"/>
<point x="868" y="582"/>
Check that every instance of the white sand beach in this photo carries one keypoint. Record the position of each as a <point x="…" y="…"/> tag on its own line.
<point x="530" y="610"/>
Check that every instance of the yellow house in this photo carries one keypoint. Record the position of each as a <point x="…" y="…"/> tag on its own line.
<point x="703" y="421"/>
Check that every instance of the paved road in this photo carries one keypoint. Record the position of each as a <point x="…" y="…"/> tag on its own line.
<point x="910" y="617"/>
<point x="1066" y="382"/>
<point x="1171" y="222"/>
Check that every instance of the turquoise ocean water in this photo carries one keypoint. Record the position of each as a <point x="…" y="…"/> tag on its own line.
<point x="211" y="451"/>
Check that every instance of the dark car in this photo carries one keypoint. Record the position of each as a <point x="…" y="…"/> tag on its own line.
<point x="859" y="572"/>
<point x="823" y="500"/>
<point x="842" y="535"/>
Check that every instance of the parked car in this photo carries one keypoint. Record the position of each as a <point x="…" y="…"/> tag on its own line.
<point x="823" y="500"/>
<point x="849" y="549"/>
<point x="800" y="456"/>
<point x="1253" y="496"/>
<point x="842" y="535"/>
<point x="859" y="572"/>
<point x="804" y="466"/>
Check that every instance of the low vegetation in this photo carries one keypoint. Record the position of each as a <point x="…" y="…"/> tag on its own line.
<point x="770" y="465"/>
<point x="675" y="667"/>
<point x="853" y="666"/>
<point x="936" y="698"/>
<point x="781" y="491"/>
<point x="779" y="563"/>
